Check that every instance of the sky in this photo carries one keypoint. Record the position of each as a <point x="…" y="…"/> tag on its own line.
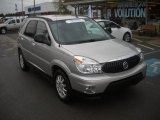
<point x="8" y="6"/>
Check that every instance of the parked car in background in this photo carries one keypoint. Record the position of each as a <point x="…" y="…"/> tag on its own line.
<point x="11" y="24"/>
<point x="1" y="20"/>
<point x="119" y="32"/>
<point x="78" y="54"/>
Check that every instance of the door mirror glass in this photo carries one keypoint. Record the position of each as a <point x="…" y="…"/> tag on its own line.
<point x="40" y="38"/>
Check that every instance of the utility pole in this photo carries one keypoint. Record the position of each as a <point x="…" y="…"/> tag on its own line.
<point x="34" y="7"/>
<point x="22" y="7"/>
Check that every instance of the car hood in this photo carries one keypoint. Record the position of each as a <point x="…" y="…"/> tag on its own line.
<point x="103" y="51"/>
<point x="2" y="25"/>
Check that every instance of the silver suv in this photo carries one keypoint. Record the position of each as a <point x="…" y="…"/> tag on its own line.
<point x="78" y="54"/>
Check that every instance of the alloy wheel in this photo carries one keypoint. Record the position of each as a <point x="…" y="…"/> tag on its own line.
<point x="61" y="86"/>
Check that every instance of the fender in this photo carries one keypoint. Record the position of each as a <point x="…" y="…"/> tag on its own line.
<point x="60" y="64"/>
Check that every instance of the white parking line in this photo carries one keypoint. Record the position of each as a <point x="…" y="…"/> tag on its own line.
<point x="137" y="40"/>
<point x="154" y="45"/>
<point x="146" y="46"/>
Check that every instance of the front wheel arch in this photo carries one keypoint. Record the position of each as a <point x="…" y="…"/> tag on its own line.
<point x="69" y="95"/>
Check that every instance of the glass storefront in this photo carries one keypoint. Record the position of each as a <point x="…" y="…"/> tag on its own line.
<point x="129" y="13"/>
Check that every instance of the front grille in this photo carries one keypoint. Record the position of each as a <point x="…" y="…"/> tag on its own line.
<point x="125" y="82"/>
<point x="121" y="65"/>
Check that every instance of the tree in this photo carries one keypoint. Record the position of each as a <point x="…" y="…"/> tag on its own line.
<point x="1" y="15"/>
<point x="62" y="8"/>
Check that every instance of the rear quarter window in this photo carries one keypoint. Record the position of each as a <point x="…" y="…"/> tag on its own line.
<point x="17" y="20"/>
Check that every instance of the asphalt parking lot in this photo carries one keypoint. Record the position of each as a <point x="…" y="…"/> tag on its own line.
<point x="29" y="96"/>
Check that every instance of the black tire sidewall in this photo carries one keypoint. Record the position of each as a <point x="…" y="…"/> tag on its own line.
<point x="25" y="67"/>
<point x="125" y="37"/>
<point x="3" y="29"/>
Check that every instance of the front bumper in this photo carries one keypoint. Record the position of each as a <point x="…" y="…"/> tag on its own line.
<point x="98" y="83"/>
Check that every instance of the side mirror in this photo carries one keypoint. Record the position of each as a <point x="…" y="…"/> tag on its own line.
<point x="40" y="38"/>
<point x="108" y="29"/>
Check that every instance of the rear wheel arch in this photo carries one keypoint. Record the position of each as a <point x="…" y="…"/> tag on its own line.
<point x="3" y="28"/>
<point x="127" y="33"/>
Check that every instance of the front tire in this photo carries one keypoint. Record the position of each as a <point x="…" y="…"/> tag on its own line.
<point x="22" y="62"/>
<point x="127" y="37"/>
<point x="3" y="30"/>
<point x="63" y="87"/>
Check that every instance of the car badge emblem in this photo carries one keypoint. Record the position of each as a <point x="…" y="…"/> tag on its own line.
<point x="125" y="65"/>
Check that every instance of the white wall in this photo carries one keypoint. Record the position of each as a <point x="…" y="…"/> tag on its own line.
<point x="45" y="7"/>
<point x="72" y="9"/>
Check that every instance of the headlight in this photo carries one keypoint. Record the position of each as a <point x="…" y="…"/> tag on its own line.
<point x="87" y="65"/>
<point x="141" y="55"/>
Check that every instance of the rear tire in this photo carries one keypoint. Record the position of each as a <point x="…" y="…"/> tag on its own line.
<point x="127" y="37"/>
<point x="3" y="30"/>
<point x="63" y="87"/>
<point x="22" y="62"/>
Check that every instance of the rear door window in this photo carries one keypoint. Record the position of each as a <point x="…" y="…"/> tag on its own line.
<point x="113" y="25"/>
<point x="17" y="20"/>
<point x="31" y="29"/>
<point x="12" y="22"/>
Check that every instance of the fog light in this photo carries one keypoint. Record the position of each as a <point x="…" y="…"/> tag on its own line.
<point x="89" y="90"/>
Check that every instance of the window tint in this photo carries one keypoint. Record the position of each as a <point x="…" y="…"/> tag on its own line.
<point x="41" y="28"/>
<point x="12" y="22"/>
<point x="22" y="19"/>
<point x="102" y="24"/>
<point x="77" y="31"/>
<point x="113" y="25"/>
<point x="93" y="29"/>
<point x="31" y="28"/>
<point x="18" y="21"/>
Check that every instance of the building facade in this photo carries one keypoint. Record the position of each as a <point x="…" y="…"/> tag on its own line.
<point x="131" y="13"/>
<point x="43" y="8"/>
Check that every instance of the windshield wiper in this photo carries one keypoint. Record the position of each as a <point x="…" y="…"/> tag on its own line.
<point x="82" y="41"/>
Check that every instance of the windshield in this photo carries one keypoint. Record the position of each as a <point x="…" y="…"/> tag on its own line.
<point x="7" y="21"/>
<point x="76" y="31"/>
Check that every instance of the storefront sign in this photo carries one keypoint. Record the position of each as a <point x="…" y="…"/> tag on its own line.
<point x="131" y="12"/>
<point x="37" y="8"/>
<point x="129" y="9"/>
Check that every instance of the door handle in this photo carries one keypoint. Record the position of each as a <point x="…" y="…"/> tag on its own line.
<point x="33" y="44"/>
